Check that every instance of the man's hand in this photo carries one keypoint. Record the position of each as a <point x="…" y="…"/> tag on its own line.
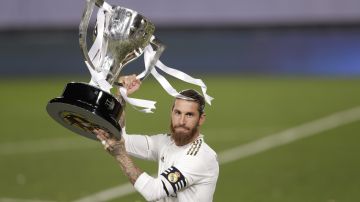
<point x="112" y="144"/>
<point x="131" y="83"/>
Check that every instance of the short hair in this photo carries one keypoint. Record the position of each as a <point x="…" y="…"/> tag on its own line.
<point x="194" y="96"/>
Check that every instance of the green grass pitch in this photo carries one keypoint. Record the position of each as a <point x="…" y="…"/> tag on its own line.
<point x="41" y="160"/>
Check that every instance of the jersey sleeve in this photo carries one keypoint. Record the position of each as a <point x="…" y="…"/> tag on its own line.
<point x="166" y="184"/>
<point x="188" y="171"/>
<point x="143" y="146"/>
<point x="197" y="169"/>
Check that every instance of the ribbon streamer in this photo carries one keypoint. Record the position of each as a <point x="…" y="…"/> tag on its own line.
<point x="149" y="52"/>
<point x="98" y="50"/>
<point x="148" y="105"/>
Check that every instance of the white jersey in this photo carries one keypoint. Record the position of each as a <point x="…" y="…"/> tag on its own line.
<point x="186" y="173"/>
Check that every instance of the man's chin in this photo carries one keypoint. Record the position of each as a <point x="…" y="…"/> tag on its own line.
<point x="183" y="135"/>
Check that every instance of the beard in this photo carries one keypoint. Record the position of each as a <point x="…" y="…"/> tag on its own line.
<point x="185" y="136"/>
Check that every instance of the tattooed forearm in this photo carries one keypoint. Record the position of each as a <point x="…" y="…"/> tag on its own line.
<point x="116" y="147"/>
<point x="128" y="166"/>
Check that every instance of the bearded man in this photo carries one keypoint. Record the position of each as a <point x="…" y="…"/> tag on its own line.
<point x="188" y="167"/>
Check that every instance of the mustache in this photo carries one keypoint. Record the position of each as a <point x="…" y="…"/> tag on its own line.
<point x="180" y="126"/>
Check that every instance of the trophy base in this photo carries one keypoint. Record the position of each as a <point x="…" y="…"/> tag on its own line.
<point x="83" y="108"/>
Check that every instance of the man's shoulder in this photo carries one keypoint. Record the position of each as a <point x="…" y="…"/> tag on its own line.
<point x="200" y="151"/>
<point x="200" y="160"/>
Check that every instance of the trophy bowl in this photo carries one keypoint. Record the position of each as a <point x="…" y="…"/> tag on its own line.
<point x="121" y="36"/>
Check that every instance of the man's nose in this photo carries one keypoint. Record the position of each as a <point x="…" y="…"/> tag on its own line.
<point x="182" y="120"/>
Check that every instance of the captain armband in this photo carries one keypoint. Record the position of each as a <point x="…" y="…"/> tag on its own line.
<point x="175" y="178"/>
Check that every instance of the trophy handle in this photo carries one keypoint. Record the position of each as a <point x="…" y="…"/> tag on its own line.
<point x="83" y="27"/>
<point x="159" y="48"/>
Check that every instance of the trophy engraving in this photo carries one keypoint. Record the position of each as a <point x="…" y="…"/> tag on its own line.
<point x="121" y="35"/>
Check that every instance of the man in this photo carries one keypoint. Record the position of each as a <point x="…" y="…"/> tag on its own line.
<point x="188" y="167"/>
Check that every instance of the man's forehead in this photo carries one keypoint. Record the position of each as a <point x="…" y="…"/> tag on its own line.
<point x="186" y="104"/>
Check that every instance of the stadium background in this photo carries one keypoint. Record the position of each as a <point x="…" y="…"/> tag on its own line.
<point x="271" y="66"/>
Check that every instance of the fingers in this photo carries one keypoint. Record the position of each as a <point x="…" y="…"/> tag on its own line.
<point x="104" y="139"/>
<point x="101" y="134"/>
<point x="134" y="83"/>
<point x="110" y="143"/>
<point x="131" y="83"/>
<point x="129" y="80"/>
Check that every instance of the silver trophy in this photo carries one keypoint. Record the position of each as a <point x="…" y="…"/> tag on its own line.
<point x="121" y="35"/>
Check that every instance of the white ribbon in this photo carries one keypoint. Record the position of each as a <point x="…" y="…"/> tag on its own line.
<point x="149" y="53"/>
<point x="148" y="105"/>
<point x="98" y="51"/>
<point x="106" y="7"/>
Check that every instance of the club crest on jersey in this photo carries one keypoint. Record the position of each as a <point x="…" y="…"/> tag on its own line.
<point x="174" y="177"/>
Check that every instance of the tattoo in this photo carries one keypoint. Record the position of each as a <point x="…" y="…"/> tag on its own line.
<point x="127" y="165"/>
<point x="119" y="152"/>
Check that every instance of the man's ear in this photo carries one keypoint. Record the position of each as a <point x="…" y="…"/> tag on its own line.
<point x="202" y="119"/>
